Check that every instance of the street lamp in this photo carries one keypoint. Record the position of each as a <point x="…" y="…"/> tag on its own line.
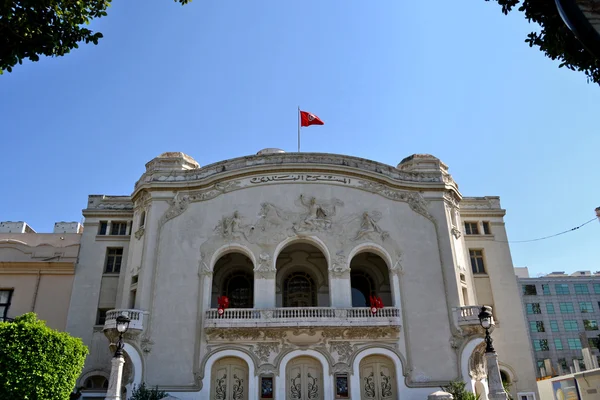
<point x="116" y="371"/>
<point x="122" y="326"/>
<point x="485" y="319"/>
<point x="494" y="378"/>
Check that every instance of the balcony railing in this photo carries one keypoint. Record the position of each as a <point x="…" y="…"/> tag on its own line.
<point x="136" y="318"/>
<point x="467" y="315"/>
<point x="302" y="316"/>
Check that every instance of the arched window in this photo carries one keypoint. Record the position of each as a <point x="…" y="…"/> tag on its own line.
<point x="299" y="290"/>
<point x="142" y="219"/>
<point x="96" y="382"/>
<point x="238" y="287"/>
<point x="363" y="288"/>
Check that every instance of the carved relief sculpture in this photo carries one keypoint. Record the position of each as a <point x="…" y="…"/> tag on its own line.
<point x="264" y="269"/>
<point x="369" y="225"/>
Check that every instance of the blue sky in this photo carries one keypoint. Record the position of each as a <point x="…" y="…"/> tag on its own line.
<point x="221" y="79"/>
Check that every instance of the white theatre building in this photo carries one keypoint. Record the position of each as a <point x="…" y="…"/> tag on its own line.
<point x="298" y="242"/>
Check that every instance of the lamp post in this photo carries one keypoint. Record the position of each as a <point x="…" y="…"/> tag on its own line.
<point x="116" y="371"/>
<point x="493" y="370"/>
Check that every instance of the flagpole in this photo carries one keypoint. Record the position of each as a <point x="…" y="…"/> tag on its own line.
<point x="298" y="129"/>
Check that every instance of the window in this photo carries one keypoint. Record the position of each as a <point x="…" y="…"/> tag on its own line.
<point x="118" y="228"/>
<point x="114" y="256"/>
<point x="533" y="308"/>
<point x="586" y="306"/>
<point x="581" y="363"/>
<point x="570" y="325"/>
<point x="102" y="228"/>
<point x="486" y="228"/>
<point x="5" y="297"/>
<point x="529" y="290"/>
<point x="546" y="290"/>
<point x="471" y="228"/>
<point x="477" y="261"/>
<point x="96" y="382"/>
<point x="540" y="345"/>
<point x="239" y="287"/>
<point x="142" y="219"/>
<point x="574" y="343"/>
<point x="597" y="288"/>
<point x="101" y="316"/>
<point x="581" y="288"/>
<point x="558" y="344"/>
<point x="563" y="364"/>
<point x="299" y="290"/>
<point x="537" y="326"/>
<point x="566" y="308"/>
<point x="590" y="324"/>
<point x="592" y="343"/>
<point x="362" y="287"/>
<point x="554" y="326"/>
<point x="550" y="308"/>
<point x="540" y="363"/>
<point x="561" y="288"/>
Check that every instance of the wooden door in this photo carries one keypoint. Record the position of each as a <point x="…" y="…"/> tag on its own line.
<point x="377" y="379"/>
<point x="304" y="379"/>
<point x="229" y="379"/>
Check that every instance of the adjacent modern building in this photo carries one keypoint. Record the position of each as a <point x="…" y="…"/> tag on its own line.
<point x="563" y="312"/>
<point x="299" y="243"/>
<point x="37" y="271"/>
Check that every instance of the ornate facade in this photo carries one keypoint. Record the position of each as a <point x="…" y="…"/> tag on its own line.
<point x="299" y="243"/>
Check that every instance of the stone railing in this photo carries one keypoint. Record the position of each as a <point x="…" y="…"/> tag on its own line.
<point x="136" y="319"/>
<point x="467" y="315"/>
<point x="302" y="316"/>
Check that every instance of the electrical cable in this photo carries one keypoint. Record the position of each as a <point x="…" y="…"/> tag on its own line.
<point x="547" y="237"/>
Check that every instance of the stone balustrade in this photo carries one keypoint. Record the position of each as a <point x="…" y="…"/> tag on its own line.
<point x="136" y="319"/>
<point x="467" y="315"/>
<point x="302" y="316"/>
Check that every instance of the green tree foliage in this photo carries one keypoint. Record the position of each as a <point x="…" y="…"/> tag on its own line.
<point x="141" y="392"/>
<point x="457" y="390"/>
<point x="38" y="363"/>
<point x="554" y="38"/>
<point x="30" y="28"/>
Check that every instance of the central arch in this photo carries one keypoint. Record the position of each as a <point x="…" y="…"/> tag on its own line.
<point x="280" y="380"/>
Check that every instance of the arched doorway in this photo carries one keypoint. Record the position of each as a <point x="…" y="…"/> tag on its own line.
<point x="229" y="379"/>
<point x="369" y="276"/>
<point x="377" y="378"/>
<point x="233" y="277"/>
<point x="304" y="377"/>
<point x="302" y="277"/>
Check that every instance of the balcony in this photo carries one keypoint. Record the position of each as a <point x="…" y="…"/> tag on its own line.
<point x="292" y="317"/>
<point x="466" y="319"/>
<point x="136" y="319"/>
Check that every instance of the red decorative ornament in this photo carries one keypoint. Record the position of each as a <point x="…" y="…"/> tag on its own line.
<point x="376" y="303"/>
<point x="223" y="302"/>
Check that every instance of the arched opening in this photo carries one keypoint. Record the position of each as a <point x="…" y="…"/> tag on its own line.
<point x="302" y="277"/>
<point x="369" y="276"/>
<point x="304" y="379"/>
<point x="229" y="379"/>
<point x="96" y="382"/>
<point x="378" y="378"/>
<point x="233" y="277"/>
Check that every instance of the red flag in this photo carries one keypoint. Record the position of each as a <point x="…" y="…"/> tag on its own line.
<point x="308" y="119"/>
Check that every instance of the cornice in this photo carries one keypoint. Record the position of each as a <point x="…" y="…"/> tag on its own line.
<point x="384" y="174"/>
<point x="33" y="268"/>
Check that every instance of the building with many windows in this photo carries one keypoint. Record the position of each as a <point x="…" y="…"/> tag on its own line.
<point x="563" y="312"/>
<point x="37" y="270"/>
<point x="299" y="244"/>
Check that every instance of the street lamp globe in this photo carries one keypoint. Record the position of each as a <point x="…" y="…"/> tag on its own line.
<point x="485" y="317"/>
<point x="122" y="323"/>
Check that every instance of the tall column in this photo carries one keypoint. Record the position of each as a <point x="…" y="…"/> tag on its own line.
<point x="493" y="377"/>
<point x="116" y="377"/>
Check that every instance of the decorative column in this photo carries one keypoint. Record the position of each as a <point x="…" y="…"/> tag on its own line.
<point x="264" y="282"/>
<point x="340" y="289"/>
<point x="116" y="377"/>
